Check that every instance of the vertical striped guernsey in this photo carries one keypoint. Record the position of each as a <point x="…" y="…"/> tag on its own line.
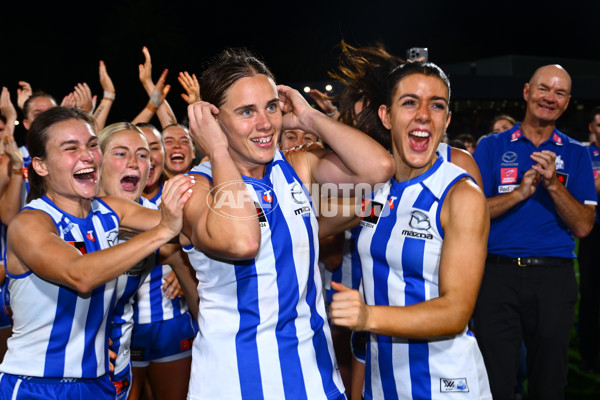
<point x="58" y="332"/>
<point x="400" y="246"/>
<point x="263" y="329"/>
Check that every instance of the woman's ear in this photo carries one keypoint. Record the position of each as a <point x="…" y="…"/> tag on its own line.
<point x="384" y="116"/>
<point x="39" y="166"/>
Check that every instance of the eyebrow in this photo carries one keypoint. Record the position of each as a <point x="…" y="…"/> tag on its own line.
<point x="414" y="96"/>
<point x="253" y="106"/>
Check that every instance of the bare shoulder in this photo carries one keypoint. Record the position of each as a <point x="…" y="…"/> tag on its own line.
<point x="464" y="202"/>
<point x="465" y="160"/>
<point x="29" y="224"/>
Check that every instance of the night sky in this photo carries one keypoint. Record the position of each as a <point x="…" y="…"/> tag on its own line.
<point x="56" y="45"/>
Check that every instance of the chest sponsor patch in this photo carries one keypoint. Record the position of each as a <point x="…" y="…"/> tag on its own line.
<point x="508" y="175"/>
<point x="453" y="385"/>
<point x="371" y="210"/>
<point x="562" y="177"/>
<point x="79" y="246"/>
<point x="262" y="218"/>
<point x="506" y="188"/>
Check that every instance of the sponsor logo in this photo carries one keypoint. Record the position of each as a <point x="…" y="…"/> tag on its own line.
<point x="185" y="344"/>
<point x="509" y="157"/>
<point x="453" y="385"/>
<point x="420" y="235"/>
<point x="262" y="218"/>
<point x="507" y="188"/>
<point x="508" y="175"/>
<point x="297" y="193"/>
<point x="556" y="138"/>
<point x="391" y="201"/>
<point x="267" y="197"/>
<point x="515" y="136"/>
<point x="26" y="173"/>
<point x="227" y="196"/>
<point x="371" y="210"/>
<point x="596" y="152"/>
<point x="302" y="210"/>
<point x="562" y="177"/>
<point x="419" y="220"/>
<point x="90" y="236"/>
<point x="560" y="164"/>
<point x="79" y="246"/>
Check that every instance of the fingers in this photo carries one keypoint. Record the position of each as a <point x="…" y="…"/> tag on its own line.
<point x="147" y="56"/>
<point x="340" y="287"/>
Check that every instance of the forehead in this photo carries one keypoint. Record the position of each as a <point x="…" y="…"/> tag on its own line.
<point x="128" y="138"/>
<point x="174" y="131"/>
<point x="41" y="102"/>
<point x="151" y="134"/>
<point x="251" y="90"/>
<point x="70" y="130"/>
<point x="552" y="77"/>
<point x="422" y="86"/>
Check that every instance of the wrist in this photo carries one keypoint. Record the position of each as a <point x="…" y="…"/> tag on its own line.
<point x="332" y="113"/>
<point x="110" y="96"/>
<point x="17" y="171"/>
<point x="151" y="107"/>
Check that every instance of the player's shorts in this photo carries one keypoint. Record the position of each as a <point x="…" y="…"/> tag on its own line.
<point x="32" y="388"/>
<point x="122" y="383"/>
<point x="163" y="341"/>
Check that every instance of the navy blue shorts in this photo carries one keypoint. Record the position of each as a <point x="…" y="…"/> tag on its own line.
<point x="33" y="388"/>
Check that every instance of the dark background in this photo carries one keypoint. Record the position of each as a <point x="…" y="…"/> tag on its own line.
<point x="54" y="46"/>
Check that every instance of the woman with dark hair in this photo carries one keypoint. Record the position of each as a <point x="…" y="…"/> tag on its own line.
<point x="62" y="260"/>
<point x="252" y="235"/>
<point x="419" y="288"/>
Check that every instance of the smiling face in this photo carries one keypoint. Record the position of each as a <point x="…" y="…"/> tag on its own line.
<point x="35" y="107"/>
<point x="126" y="165"/>
<point x="418" y="117"/>
<point x="157" y="155"/>
<point x="547" y="94"/>
<point x="71" y="168"/>
<point x="179" y="150"/>
<point x="251" y="119"/>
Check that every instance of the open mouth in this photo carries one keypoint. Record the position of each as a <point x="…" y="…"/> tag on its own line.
<point x="130" y="183"/>
<point x="419" y="140"/>
<point x="264" y="142"/>
<point x="85" y="176"/>
<point x="177" y="157"/>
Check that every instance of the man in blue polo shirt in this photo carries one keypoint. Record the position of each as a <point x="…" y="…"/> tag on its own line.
<point x="540" y="191"/>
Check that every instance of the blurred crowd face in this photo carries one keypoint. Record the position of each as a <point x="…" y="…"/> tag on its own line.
<point x="501" y="125"/>
<point x="157" y="155"/>
<point x="296" y="137"/>
<point x="37" y="106"/>
<point x="179" y="150"/>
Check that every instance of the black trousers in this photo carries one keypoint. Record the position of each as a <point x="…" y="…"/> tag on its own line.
<point x="589" y="300"/>
<point x="535" y="304"/>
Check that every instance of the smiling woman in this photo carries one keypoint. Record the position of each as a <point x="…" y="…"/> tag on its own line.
<point x="63" y="259"/>
<point x="262" y="314"/>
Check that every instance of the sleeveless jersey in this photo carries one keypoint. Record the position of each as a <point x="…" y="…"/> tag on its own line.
<point x="58" y="332"/>
<point x="263" y="320"/>
<point x="151" y="305"/>
<point x="126" y="289"/>
<point x="400" y="244"/>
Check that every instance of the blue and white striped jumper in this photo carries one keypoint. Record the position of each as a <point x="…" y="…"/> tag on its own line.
<point x="263" y="320"/>
<point x="58" y="332"/>
<point x="400" y="245"/>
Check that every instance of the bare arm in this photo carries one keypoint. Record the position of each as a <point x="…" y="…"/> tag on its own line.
<point x="500" y="204"/>
<point x="186" y="276"/>
<point x="33" y="236"/>
<point x="578" y="217"/>
<point x="465" y="222"/>
<point x="164" y="112"/>
<point x="11" y="170"/>
<point x="221" y="218"/>
<point x="465" y="160"/>
<point x="101" y="113"/>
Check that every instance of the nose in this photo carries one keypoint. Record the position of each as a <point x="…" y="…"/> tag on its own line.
<point x="132" y="162"/>
<point x="263" y="122"/>
<point x="423" y="114"/>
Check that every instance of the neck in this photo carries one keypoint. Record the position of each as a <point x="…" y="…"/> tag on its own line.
<point x="77" y="207"/>
<point x="151" y="191"/>
<point x="537" y="131"/>
<point x="405" y="172"/>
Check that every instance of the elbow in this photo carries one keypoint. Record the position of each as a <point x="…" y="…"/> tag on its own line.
<point x="81" y="284"/>
<point x="583" y="230"/>
<point x="245" y="249"/>
<point x="384" y="171"/>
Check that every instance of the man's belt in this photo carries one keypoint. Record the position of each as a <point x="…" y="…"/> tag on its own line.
<point x="529" y="261"/>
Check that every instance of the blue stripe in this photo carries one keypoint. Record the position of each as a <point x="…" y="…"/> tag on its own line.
<point x="381" y="272"/>
<point x="54" y="364"/>
<point x="287" y="282"/>
<point x="418" y="351"/>
<point x="368" y="389"/>
<point x="439" y="210"/>
<point x="155" y="294"/>
<point x="245" y="340"/>
<point x="356" y="267"/>
<point x="95" y="316"/>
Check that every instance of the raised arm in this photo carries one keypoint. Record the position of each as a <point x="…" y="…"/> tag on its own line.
<point x="324" y="103"/>
<point x="356" y="158"/>
<point x="191" y="86"/>
<point x="465" y="222"/>
<point x="164" y="113"/>
<point x="23" y="93"/>
<point x="11" y="166"/>
<point x="221" y="218"/>
<point x="33" y="236"/>
<point x="156" y="100"/>
<point x="101" y="113"/>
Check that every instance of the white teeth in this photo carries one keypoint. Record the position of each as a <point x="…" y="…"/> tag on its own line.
<point x="421" y="134"/>
<point x="84" y="171"/>
<point x="262" y="141"/>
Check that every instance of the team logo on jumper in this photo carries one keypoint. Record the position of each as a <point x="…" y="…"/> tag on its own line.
<point x="509" y="157"/>
<point x="371" y="210"/>
<point x="560" y="164"/>
<point x="556" y="138"/>
<point x="419" y="220"/>
<point x="262" y="218"/>
<point x="112" y="237"/>
<point x="508" y="175"/>
<point x="453" y="385"/>
<point x="562" y="177"/>
<point x="297" y="193"/>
